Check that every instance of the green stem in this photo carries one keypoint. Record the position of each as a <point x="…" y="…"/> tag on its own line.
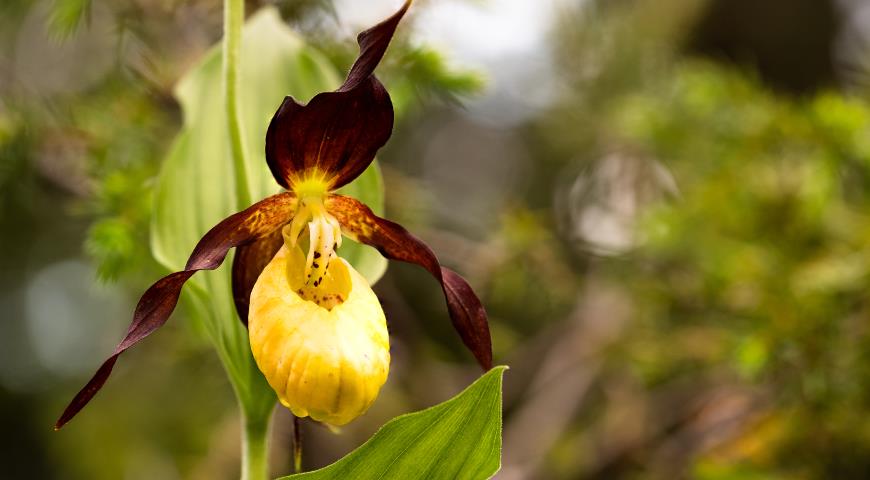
<point x="234" y="16"/>
<point x="255" y="448"/>
<point x="255" y="427"/>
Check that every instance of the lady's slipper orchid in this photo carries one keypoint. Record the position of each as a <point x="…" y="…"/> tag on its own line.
<point x="317" y="331"/>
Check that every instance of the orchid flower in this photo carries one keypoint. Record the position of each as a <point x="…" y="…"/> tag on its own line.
<point x="317" y="330"/>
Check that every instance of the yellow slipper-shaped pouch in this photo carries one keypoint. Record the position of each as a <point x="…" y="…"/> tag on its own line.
<point x="325" y="349"/>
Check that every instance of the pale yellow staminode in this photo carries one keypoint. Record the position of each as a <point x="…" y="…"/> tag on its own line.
<point x="325" y="349"/>
<point x="324" y="237"/>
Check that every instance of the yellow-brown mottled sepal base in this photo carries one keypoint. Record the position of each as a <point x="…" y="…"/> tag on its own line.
<point x="328" y="364"/>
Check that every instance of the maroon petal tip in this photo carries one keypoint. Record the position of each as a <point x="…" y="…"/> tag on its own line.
<point x="337" y="134"/>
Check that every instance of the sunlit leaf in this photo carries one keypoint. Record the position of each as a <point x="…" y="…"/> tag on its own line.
<point x="195" y="189"/>
<point x="457" y="439"/>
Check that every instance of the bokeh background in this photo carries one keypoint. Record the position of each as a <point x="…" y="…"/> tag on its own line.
<point x="664" y="205"/>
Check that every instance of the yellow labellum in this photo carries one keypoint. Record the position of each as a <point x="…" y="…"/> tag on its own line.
<point x="324" y="350"/>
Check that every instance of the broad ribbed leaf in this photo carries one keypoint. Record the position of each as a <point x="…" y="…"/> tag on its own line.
<point x="457" y="439"/>
<point x="196" y="190"/>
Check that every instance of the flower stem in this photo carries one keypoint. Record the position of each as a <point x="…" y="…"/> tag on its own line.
<point x="234" y="16"/>
<point x="255" y="428"/>
<point x="255" y="449"/>
<point x="297" y="445"/>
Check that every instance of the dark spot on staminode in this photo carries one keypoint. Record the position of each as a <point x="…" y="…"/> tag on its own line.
<point x="315" y="265"/>
<point x="316" y="254"/>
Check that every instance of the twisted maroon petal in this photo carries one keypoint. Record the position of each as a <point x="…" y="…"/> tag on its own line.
<point x="372" y="46"/>
<point x="336" y="135"/>
<point x="158" y="302"/>
<point x="394" y="242"/>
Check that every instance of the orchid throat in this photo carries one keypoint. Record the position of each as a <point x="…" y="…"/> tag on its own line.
<point x="324" y="237"/>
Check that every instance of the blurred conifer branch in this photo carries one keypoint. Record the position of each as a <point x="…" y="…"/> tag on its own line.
<point x="67" y="16"/>
<point x="427" y="73"/>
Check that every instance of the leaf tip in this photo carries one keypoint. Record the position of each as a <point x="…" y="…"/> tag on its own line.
<point x="497" y="370"/>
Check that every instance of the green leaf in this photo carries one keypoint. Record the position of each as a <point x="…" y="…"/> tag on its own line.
<point x="457" y="439"/>
<point x="196" y="184"/>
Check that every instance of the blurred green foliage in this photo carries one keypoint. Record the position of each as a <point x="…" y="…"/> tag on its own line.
<point x="123" y="144"/>
<point x="760" y="262"/>
<point x="737" y="324"/>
